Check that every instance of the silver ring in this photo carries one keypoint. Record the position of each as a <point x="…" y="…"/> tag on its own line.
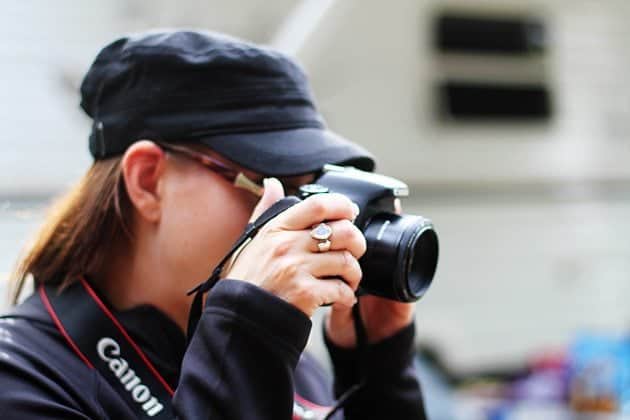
<point x="322" y="233"/>
<point x="324" y="246"/>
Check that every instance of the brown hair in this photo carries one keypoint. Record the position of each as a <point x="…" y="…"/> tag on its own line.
<point x="81" y="230"/>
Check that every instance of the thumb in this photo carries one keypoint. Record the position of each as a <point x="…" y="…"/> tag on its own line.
<point x="274" y="191"/>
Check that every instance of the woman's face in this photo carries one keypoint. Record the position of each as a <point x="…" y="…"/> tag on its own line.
<point x="203" y="214"/>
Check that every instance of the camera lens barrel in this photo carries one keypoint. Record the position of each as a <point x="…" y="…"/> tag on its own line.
<point x="402" y="249"/>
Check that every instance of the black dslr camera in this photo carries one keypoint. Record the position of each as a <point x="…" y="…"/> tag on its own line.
<point x="402" y="250"/>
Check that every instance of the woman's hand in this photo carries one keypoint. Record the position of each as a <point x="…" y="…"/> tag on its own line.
<point x="382" y="318"/>
<point x="284" y="259"/>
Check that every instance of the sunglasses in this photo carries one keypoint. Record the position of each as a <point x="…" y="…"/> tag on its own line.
<point x="230" y="174"/>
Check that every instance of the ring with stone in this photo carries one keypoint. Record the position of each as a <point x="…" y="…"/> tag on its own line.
<point x="322" y="233"/>
<point x="324" y="246"/>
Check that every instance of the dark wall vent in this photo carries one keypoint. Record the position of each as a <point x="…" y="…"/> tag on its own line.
<point x="478" y="34"/>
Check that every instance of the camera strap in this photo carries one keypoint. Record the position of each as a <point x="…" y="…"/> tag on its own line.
<point x="102" y="343"/>
<point x="99" y="340"/>
<point x="362" y="347"/>
<point x="250" y="231"/>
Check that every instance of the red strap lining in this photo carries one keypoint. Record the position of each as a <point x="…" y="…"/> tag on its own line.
<point x="154" y="371"/>
<point x="310" y="404"/>
<point x="61" y="329"/>
<point x="127" y="337"/>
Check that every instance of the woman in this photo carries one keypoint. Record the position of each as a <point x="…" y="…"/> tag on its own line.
<point x="194" y="136"/>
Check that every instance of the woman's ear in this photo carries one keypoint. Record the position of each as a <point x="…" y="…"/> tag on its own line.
<point x="143" y="167"/>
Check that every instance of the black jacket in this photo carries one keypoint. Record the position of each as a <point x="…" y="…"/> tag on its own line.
<point x="245" y="361"/>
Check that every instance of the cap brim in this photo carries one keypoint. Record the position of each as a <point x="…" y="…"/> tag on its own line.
<point x="290" y="152"/>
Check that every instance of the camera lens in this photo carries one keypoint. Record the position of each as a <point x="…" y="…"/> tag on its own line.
<point x="420" y="259"/>
<point x="401" y="256"/>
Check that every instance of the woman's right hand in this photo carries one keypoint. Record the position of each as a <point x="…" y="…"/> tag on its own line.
<point x="284" y="259"/>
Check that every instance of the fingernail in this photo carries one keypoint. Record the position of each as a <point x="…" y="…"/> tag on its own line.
<point x="355" y="206"/>
<point x="268" y="181"/>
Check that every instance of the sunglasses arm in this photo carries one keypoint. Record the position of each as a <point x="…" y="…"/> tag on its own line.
<point x="245" y="183"/>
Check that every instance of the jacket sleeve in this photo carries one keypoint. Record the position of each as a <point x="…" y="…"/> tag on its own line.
<point x="391" y="390"/>
<point x="241" y="360"/>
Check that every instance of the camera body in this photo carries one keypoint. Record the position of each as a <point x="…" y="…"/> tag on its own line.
<point x="402" y="250"/>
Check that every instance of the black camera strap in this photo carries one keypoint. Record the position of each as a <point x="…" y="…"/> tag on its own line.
<point x="250" y="231"/>
<point x="102" y="343"/>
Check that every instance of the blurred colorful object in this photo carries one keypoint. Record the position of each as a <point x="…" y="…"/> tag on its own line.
<point x="589" y="379"/>
<point x="600" y="374"/>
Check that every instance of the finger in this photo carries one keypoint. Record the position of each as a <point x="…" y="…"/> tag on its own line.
<point x="345" y="235"/>
<point x="397" y="206"/>
<point x="335" y="264"/>
<point x="315" y="209"/>
<point x="333" y="291"/>
<point x="274" y="191"/>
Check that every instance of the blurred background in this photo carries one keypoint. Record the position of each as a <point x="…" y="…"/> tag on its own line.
<point x="509" y="120"/>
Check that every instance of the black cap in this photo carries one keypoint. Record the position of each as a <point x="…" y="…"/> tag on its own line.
<point x="250" y="104"/>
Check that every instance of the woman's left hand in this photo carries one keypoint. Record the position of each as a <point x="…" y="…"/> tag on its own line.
<point x="382" y="318"/>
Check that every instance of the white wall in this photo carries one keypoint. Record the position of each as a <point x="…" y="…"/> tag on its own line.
<point x="374" y="69"/>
